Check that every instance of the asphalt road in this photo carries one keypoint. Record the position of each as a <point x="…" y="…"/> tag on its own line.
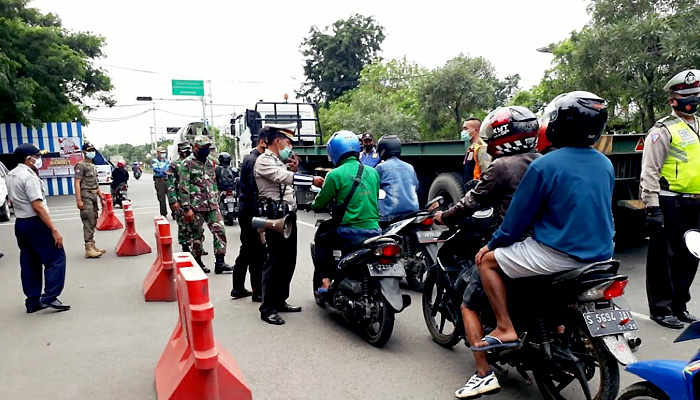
<point x="107" y="346"/>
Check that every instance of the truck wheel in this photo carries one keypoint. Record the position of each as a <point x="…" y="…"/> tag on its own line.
<point x="448" y="185"/>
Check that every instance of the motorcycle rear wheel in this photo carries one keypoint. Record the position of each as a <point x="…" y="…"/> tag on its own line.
<point x="379" y="329"/>
<point x="229" y="219"/>
<point x="601" y="364"/>
<point x="435" y="301"/>
<point x="643" y="391"/>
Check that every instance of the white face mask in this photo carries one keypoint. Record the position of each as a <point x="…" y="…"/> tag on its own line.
<point x="38" y="163"/>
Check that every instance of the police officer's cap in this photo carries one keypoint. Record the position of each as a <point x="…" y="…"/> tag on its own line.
<point x="87" y="146"/>
<point x="25" y="150"/>
<point x="686" y="82"/>
<point x="367" y="135"/>
<point x="202" y="140"/>
<point x="285" y="129"/>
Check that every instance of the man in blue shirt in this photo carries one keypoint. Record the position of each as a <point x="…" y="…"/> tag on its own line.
<point x="161" y="166"/>
<point x="369" y="155"/>
<point x="565" y="198"/>
<point x="397" y="179"/>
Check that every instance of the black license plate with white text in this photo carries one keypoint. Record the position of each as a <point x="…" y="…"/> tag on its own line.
<point x="610" y="322"/>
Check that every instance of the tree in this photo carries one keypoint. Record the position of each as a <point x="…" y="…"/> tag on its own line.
<point x="626" y="54"/>
<point x="463" y="87"/>
<point x="384" y="102"/>
<point x="335" y="56"/>
<point x="46" y="72"/>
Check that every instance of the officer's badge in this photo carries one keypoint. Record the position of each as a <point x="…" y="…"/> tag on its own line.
<point x="690" y="78"/>
<point x="654" y="137"/>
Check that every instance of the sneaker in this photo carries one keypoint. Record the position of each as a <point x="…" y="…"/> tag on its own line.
<point x="478" y="385"/>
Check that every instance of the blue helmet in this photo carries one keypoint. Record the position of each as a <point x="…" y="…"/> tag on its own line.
<point x="341" y="145"/>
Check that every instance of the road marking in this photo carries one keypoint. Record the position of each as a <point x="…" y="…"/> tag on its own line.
<point x="306" y="224"/>
<point x="641" y="316"/>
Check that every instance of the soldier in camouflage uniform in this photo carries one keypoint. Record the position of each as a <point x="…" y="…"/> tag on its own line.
<point x="199" y="201"/>
<point x="184" y="229"/>
<point x="87" y="197"/>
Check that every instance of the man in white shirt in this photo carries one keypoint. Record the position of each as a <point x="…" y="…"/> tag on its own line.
<point x="39" y="242"/>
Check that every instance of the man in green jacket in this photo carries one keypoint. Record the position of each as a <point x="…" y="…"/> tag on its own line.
<point x="361" y="219"/>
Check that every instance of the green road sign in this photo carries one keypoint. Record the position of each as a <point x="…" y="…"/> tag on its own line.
<point x="188" y="88"/>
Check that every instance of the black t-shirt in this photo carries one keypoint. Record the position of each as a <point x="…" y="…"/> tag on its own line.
<point x="247" y="188"/>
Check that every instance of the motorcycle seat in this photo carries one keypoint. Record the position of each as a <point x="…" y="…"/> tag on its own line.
<point x="610" y="266"/>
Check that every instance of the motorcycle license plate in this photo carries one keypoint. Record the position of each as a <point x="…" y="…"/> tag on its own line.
<point x="428" y="236"/>
<point x="610" y="322"/>
<point x="395" y="270"/>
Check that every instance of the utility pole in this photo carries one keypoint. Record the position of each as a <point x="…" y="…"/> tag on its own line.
<point x="211" y="111"/>
<point x="154" y="141"/>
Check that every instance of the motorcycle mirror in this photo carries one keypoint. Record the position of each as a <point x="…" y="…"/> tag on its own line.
<point x="382" y="194"/>
<point x="692" y="242"/>
<point x="435" y="203"/>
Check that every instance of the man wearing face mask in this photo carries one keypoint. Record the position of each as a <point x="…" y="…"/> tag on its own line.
<point x="161" y="166"/>
<point x="670" y="183"/>
<point x="184" y="229"/>
<point x="369" y="155"/>
<point x="276" y="199"/>
<point x="41" y="254"/>
<point x="477" y="159"/>
<point x="87" y="195"/>
<point x="200" y="202"/>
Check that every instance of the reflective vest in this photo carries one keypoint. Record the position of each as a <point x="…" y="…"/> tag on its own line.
<point x="471" y="161"/>
<point x="681" y="170"/>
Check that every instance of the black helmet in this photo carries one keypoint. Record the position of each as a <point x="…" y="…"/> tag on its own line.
<point x="224" y="158"/>
<point x="389" y="146"/>
<point x="509" y="130"/>
<point x="575" y="119"/>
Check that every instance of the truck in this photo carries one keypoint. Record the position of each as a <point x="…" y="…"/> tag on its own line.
<point x="439" y="164"/>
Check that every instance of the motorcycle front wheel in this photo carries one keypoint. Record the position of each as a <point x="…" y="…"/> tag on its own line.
<point x="597" y="365"/>
<point x="379" y="328"/>
<point x="439" y="312"/>
<point x="643" y="391"/>
<point x="229" y="219"/>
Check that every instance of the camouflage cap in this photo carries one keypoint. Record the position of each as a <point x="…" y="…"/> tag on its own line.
<point x="202" y="140"/>
<point x="183" y="145"/>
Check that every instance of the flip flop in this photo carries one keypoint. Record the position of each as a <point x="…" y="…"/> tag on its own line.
<point x="495" y="343"/>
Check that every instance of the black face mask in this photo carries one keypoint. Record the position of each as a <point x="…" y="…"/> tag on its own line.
<point x="185" y="154"/>
<point x="202" y="154"/>
<point x="369" y="147"/>
<point x="687" y="105"/>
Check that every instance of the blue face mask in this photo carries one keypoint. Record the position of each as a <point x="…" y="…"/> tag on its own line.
<point x="90" y="154"/>
<point x="285" y="153"/>
<point x="465" y="135"/>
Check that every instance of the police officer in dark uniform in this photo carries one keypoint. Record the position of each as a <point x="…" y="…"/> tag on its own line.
<point x="251" y="254"/>
<point x="276" y="199"/>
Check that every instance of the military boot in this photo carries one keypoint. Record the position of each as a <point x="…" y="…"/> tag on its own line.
<point x="201" y="264"/>
<point x="90" y="251"/>
<point x="220" y="266"/>
<point x="186" y="248"/>
<point x="101" y="251"/>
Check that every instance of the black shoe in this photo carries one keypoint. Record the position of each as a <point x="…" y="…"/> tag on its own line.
<point x="240" y="293"/>
<point x="685" y="316"/>
<point x="289" y="308"/>
<point x="205" y="253"/>
<point x="256" y="298"/>
<point x="201" y="265"/>
<point x="36" y="308"/>
<point x="220" y="266"/>
<point x="57" y="305"/>
<point x="185" y="248"/>
<point x="273" y="319"/>
<point x="668" y="321"/>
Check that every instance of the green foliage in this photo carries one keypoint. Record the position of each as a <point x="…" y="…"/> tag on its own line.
<point x="462" y="88"/>
<point x="129" y="152"/>
<point x="45" y="70"/>
<point x="335" y="56"/>
<point x="383" y="103"/>
<point x="626" y="54"/>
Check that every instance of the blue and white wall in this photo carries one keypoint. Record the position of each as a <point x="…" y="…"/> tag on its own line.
<point x="45" y="138"/>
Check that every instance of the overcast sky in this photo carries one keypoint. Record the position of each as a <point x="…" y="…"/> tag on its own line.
<point x="250" y="49"/>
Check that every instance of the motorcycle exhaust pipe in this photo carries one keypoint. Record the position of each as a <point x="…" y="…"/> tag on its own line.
<point x="633" y="341"/>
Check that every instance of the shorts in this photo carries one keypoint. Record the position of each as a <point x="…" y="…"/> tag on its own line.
<point x="532" y="258"/>
<point x="474" y="292"/>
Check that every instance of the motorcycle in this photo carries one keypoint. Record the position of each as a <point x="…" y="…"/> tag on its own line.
<point x="137" y="174"/>
<point x="670" y="379"/>
<point x="120" y="194"/>
<point x="572" y="333"/>
<point x="416" y="232"/>
<point x="365" y="289"/>
<point x="228" y="204"/>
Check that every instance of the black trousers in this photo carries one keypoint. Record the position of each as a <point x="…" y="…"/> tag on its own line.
<point x="278" y="269"/>
<point x="39" y="258"/>
<point x="670" y="266"/>
<point x="251" y="255"/>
